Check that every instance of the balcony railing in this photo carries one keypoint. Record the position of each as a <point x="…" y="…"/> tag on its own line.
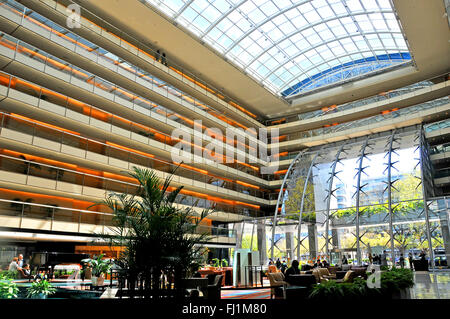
<point x="381" y="97"/>
<point x="116" y="155"/>
<point x="78" y="217"/>
<point x="115" y="124"/>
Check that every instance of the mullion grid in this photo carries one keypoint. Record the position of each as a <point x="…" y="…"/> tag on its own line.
<point x="279" y="76"/>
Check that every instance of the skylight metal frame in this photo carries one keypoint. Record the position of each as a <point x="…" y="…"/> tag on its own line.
<point x="236" y="29"/>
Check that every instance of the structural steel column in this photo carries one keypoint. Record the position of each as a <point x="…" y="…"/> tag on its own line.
<point x="281" y="198"/>
<point x="312" y="240"/>
<point x="330" y="191"/>
<point x="422" y="148"/>
<point x="389" y="189"/>
<point x="358" y="190"/>
<point x="445" y="227"/>
<point x="261" y="235"/>
<point x="289" y="245"/>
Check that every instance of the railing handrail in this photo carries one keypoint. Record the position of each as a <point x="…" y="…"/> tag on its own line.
<point x="94" y="212"/>
<point x="338" y="108"/>
<point x="41" y="88"/>
<point x="117" y="148"/>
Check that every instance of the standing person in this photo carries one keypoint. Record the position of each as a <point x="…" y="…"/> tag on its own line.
<point x="384" y="258"/>
<point x="370" y="259"/>
<point x="164" y="60"/>
<point x="422" y="255"/>
<point x="402" y="261"/>
<point x="410" y="259"/>
<point x="344" y="260"/>
<point x="278" y="263"/>
<point x="20" y="262"/>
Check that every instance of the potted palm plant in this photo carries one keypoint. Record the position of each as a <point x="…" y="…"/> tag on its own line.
<point x="156" y="234"/>
<point x="100" y="267"/>
<point x="40" y="290"/>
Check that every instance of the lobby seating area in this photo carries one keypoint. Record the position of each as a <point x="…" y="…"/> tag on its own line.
<point x="300" y="285"/>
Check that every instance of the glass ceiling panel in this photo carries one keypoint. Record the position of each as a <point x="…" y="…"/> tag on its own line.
<point x="287" y="45"/>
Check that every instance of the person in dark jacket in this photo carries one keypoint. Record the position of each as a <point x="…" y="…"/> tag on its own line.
<point x="278" y="263"/>
<point x="410" y="258"/>
<point x="283" y="266"/>
<point x="163" y="59"/>
<point x="293" y="270"/>
<point x="344" y="260"/>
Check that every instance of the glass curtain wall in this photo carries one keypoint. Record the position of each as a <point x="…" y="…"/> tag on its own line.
<point x="360" y="199"/>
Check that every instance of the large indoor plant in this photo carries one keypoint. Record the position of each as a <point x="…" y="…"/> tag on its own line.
<point x="40" y="290"/>
<point x="100" y="267"/>
<point x="157" y="235"/>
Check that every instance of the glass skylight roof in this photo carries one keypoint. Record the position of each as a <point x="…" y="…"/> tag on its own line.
<point x="292" y="46"/>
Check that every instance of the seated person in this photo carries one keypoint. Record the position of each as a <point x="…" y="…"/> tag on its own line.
<point x="273" y="268"/>
<point x="26" y="271"/>
<point x="14" y="266"/>
<point x="293" y="270"/>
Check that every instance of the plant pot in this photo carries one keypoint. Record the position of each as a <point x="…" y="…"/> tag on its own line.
<point x="98" y="281"/>
<point x="402" y="294"/>
<point x="39" y="296"/>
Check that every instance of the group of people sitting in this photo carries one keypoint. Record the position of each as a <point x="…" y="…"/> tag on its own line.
<point x="18" y="265"/>
<point x="282" y="266"/>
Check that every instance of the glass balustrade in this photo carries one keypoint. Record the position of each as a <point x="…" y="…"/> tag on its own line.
<point x="99" y="115"/>
<point x="381" y="97"/>
<point x="53" y="213"/>
<point x="88" y="148"/>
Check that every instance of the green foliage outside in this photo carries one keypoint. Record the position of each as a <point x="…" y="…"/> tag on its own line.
<point x="292" y="205"/>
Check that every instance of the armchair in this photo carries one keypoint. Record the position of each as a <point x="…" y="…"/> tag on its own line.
<point x="215" y="288"/>
<point x="277" y="284"/>
<point x="322" y="274"/>
<point x="349" y="276"/>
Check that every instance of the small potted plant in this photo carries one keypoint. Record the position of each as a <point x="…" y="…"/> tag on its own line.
<point x="8" y="289"/>
<point x="40" y="290"/>
<point x="99" y="268"/>
<point x="216" y="263"/>
<point x="223" y="263"/>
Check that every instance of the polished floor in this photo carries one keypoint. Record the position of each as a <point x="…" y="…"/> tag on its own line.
<point x="431" y="285"/>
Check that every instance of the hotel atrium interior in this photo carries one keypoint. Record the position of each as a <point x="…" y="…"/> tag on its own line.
<point x="337" y="161"/>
